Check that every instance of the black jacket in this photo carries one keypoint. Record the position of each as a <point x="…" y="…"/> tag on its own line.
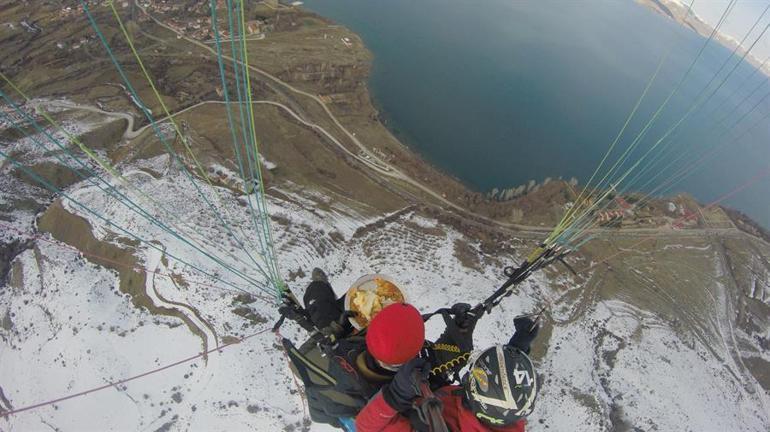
<point x="352" y="377"/>
<point x="355" y="379"/>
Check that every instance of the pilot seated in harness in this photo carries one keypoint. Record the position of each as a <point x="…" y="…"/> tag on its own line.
<point x="498" y="391"/>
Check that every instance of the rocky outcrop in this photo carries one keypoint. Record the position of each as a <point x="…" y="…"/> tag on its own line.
<point x="331" y="78"/>
<point x="521" y="190"/>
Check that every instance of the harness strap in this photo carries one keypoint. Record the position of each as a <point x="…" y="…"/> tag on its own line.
<point x="303" y="365"/>
<point x="430" y="410"/>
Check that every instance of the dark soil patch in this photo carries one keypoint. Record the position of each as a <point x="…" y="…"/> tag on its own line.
<point x="435" y="231"/>
<point x="106" y="136"/>
<point x="249" y="314"/>
<point x="57" y="175"/>
<point x="467" y="255"/>
<point x="760" y="368"/>
<point x="8" y="252"/>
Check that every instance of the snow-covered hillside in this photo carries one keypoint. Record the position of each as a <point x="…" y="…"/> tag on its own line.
<point x="608" y="364"/>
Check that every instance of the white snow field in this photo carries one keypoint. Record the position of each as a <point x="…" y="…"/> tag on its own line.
<point x="68" y="328"/>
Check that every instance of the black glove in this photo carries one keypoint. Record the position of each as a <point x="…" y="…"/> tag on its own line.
<point x="405" y="387"/>
<point x="332" y="331"/>
<point x="526" y="331"/>
<point x="459" y="328"/>
<point x="291" y="310"/>
<point x="339" y="329"/>
<point x="456" y="340"/>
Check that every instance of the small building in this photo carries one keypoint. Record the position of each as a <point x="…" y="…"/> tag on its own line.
<point x="610" y="218"/>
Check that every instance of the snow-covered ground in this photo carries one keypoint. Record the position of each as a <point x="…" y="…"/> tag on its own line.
<point x="68" y="328"/>
<point x="636" y="369"/>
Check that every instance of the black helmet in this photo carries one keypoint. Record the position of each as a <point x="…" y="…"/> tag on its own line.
<point x="501" y="386"/>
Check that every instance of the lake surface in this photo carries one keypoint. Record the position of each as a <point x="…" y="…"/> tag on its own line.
<point x="500" y="92"/>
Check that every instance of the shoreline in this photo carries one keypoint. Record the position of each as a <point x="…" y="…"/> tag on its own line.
<point x="324" y="81"/>
<point x="402" y="138"/>
<point x="406" y="142"/>
<point x="676" y="11"/>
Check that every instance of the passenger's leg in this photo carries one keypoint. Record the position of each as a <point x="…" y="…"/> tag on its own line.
<point x="321" y="303"/>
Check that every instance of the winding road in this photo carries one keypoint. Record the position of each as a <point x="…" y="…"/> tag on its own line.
<point x="389" y="170"/>
<point x="375" y="163"/>
<point x="370" y="160"/>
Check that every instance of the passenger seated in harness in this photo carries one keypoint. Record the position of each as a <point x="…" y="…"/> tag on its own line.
<point x="343" y="368"/>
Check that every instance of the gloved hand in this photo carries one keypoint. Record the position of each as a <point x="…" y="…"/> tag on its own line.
<point x="291" y="310"/>
<point x="459" y="328"/>
<point x="525" y="333"/>
<point x="333" y="331"/>
<point x="405" y="387"/>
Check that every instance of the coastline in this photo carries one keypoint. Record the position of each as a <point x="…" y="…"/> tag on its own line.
<point x="472" y="196"/>
<point x="314" y="73"/>
<point x="677" y="11"/>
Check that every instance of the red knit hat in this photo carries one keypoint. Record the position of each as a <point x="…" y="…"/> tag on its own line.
<point x="396" y="334"/>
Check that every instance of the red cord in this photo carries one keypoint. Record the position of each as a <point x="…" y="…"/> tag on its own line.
<point x="125" y="380"/>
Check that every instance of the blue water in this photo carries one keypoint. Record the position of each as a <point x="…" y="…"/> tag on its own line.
<point x="502" y="91"/>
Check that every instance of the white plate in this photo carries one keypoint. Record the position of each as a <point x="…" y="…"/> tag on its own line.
<point x="367" y="283"/>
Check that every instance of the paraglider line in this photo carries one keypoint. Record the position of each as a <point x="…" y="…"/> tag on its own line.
<point x="135" y="377"/>
<point x="751" y="181"/>
<point x="117" y="263"/>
